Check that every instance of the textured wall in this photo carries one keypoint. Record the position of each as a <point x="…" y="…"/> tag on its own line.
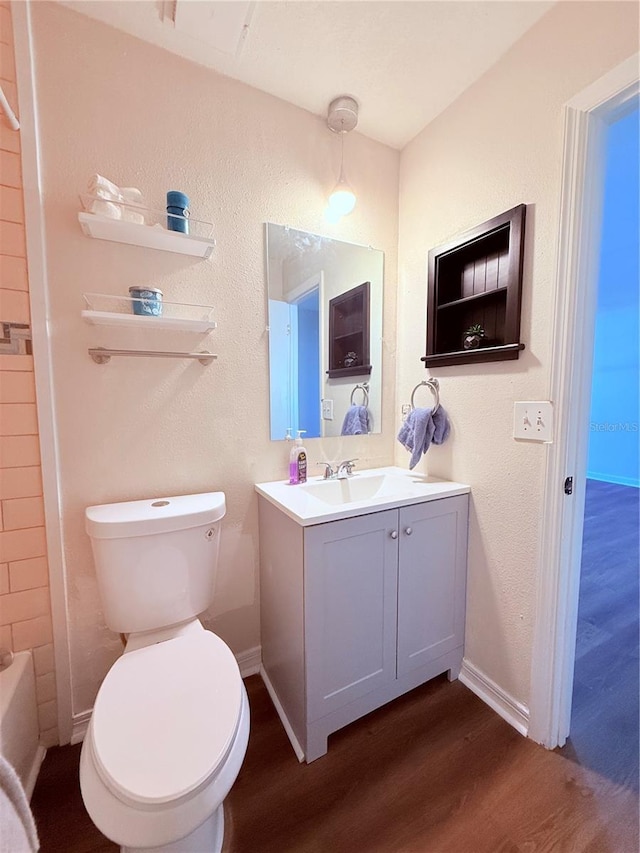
<point x="143" y="117"/>
<point x="25" y="608"/>
<point x="498" y="145"/>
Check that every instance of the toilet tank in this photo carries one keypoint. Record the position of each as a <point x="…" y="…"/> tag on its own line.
<point x="155" y="559"/>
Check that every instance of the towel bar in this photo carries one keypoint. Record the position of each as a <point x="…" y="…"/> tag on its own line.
<point x="365" y="391"/>
<point x="434" y="387"/>
<point x="101" y="355"/>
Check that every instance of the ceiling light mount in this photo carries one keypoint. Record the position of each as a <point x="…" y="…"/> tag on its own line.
<point x="343" y="114"/>
<point x="341" y="118"/>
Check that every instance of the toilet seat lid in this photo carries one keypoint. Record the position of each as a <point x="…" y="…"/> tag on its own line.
<point x="165" y="717"/>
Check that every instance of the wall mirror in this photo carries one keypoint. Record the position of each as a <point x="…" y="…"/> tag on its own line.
<point x="325" y="332"/>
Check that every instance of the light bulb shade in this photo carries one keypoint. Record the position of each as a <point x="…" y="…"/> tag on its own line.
<point x="342" y="200"/>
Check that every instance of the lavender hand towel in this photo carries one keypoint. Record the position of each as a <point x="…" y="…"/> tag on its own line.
<point x="422" y="428"/>
<point x="356" y="421"/>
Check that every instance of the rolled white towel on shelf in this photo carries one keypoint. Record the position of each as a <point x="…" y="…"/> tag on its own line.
<point x="132" y="196"/>
<point x="107" y="196"/>
<point x="106" y="208"/>
<point x="114" y="202"/>
<point x="100" y="186"/>
<point x="107" y="200"/>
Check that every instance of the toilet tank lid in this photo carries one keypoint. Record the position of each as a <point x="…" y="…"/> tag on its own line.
<point x="153" y="515"/>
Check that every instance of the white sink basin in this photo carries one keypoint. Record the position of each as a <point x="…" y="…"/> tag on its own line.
<point x="321" y="500"/>
<point x="354" y="488"/>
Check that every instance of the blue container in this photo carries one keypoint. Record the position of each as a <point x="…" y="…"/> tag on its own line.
<point x="177" y="203"/>
<point x="146" y="301"/>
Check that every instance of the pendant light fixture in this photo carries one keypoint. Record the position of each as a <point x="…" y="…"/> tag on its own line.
<point x="342" y="118"/>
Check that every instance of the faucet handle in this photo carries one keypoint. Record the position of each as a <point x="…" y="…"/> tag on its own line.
<point x="347" y="465"/>
<point x="328" y="470"/>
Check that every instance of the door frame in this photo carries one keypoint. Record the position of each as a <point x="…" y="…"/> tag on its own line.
<point x="586" y="117"/>
<point x="42" y="360"/>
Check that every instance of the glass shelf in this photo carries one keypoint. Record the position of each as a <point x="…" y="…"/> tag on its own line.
<point x="145" y="227"/>
<point x="106" y="310"/>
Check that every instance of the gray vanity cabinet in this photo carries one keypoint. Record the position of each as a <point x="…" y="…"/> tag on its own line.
<point x="432" y="575"/>
<point x="350" y="609"/>
<point x="358" y="611"/>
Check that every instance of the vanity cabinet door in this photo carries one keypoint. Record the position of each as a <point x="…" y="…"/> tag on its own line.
<point x="431" y="581"/>
<point x="350" y="597"/>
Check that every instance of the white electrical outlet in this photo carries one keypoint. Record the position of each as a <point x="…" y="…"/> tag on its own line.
<point x="533" y="421"/>
<point x="327" y="410"/>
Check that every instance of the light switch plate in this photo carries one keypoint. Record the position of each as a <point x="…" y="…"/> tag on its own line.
<point x="327" y="410"/>
<point x="533" y="420"/>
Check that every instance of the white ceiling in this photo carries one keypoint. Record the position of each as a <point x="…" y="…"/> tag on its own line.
<point x="404" y="62"/>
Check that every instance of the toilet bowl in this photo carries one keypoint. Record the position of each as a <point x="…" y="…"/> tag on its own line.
<point x="170" y="725"/>
<point x="167" y="737"/>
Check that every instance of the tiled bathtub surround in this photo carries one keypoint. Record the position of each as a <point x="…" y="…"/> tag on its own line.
<point x="25" y="610"/>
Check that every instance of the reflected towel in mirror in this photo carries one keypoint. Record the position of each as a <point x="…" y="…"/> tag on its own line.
<point x="422" y="428"/>
<point x="356" y="421"/>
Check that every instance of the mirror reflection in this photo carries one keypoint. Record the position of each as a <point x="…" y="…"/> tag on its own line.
<point x="325" y="334"/>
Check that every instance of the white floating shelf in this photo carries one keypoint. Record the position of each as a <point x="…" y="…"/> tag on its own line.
<point x="177" y="316"/>
<point x="147" y="236"/>
<point x="112" y="318"/>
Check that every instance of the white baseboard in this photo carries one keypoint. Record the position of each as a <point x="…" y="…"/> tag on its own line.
<point x="295" y="743"/>
<point x="249" y="663"/>
<point x="80" y="725"/>
<point x="514" y="712"/>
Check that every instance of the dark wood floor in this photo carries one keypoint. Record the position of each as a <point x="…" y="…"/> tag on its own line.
<point x="606" y="690"/>
<point x="436" y="771"/>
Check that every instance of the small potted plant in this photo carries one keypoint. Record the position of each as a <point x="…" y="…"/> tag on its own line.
<point x="473" y="336"/>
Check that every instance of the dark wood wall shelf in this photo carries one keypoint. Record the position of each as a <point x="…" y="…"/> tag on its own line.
<point x="349" y="333"/>
<point x="496" y="291"/>
<point x="507" y="352"/>
<point x="476" y="279"/>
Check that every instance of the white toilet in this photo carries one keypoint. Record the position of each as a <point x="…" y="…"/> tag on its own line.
<point x="170" y="725"/>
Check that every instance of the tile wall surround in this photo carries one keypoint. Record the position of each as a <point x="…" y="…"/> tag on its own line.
<point x="25" y="607"/>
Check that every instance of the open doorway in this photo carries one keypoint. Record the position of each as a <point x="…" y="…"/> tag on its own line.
<point x="586" y="119"/>
<point x="308" y="362"/>
<point x="294" y="357"/>
<point x="605" y="707"/>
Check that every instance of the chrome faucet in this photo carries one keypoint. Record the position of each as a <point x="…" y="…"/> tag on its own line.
<point x="345" y="469"/>
<point x="329" y="473"/>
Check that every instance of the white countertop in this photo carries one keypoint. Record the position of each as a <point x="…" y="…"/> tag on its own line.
<point x="373" y="490"/>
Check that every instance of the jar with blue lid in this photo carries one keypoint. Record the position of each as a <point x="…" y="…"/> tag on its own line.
<point x="146" y="301"/>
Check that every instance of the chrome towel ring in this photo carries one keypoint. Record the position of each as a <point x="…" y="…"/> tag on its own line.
<point x="434" y="387"/>
<point x="365" y="393"/>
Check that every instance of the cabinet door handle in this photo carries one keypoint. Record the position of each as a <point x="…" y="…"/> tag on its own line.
<point x="408" y="531"/>
<point x="394" y="534"/>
